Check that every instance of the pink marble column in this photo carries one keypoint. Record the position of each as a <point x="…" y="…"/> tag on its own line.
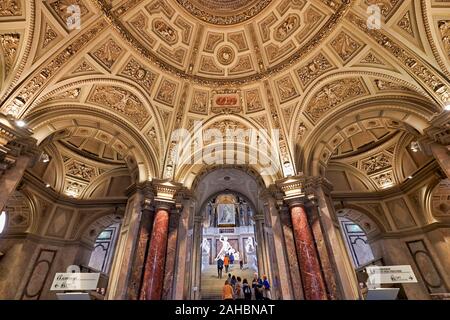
<point x="152" y="286"/>
<point x="312" y="279"/>
<point x="138" y="264"/>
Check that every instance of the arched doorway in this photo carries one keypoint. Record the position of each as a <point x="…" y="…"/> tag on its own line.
<point x="232" y="218"/>
<point x="228" y="234"/>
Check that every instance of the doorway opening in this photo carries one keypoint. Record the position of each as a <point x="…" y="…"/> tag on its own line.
<point x="228" y="242"/>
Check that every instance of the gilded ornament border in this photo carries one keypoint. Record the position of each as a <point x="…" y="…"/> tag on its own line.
<point x="224" y="20"/>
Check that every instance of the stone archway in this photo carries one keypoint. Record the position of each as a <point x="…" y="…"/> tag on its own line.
<point x="246" y="190"/>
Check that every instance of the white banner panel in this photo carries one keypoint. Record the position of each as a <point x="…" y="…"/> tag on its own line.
<point x="75" y="281"/>
<point x="390" y="274"/>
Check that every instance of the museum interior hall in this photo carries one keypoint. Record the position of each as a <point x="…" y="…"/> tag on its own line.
<point x="158" y="148"/>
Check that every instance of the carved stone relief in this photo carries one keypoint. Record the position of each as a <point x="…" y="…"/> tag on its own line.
<point x="345" y="46"/>
<point x="10" y="8"/>
<point x="286" y="89"/>
<point x="253" y="101"/>
<point x="108" y="53"/>
<point x="334" y="94"/>
<point x="444" y="29"/>
<point x="139" y="73"/>
<point x="287" y="27"/>
<point x="120" y="100"/>
<point x="9" y="45"/>
<point x="199" y="103"/>
<point x="313" y="69"/>
<point x="167" y="92"/>
<point x="376" y="163"/>
<point x="63" y="11"/>
<point x="165" y="31"/>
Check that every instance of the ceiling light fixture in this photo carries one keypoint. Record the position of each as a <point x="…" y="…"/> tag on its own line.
<point x="45" y="158"/>
<point x="20" y="123"/>
<point x="2" y="221"/>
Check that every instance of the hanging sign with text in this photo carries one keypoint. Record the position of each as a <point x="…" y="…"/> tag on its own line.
<point x="390" y="274"/>
<point x="75" y="281"/>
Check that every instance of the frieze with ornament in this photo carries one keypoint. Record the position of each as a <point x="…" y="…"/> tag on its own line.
<point x="10" y="8"/>
<point x="108" y="53"/>
<point x="43" y="74"/>
<point x="199" y="103"/>
<point x="9" y="46"/>
<point x="437" y="85"/>
<point x="345" y="46"/>
<point x="138" y="72"/>
<point x="121" y="100"/>
<point x="287" y="27"/>
<point x="253" y="101"/>
<point x="444" y="29"/>
<point x="314" y="68"/>
<point x="165" y="31"/>
<point x="376" y="163"/>
<point x="80" y="170"/>
<point x="333" y="94"/>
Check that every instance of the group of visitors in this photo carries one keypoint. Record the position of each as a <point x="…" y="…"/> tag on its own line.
<point x="235" y="289"/>
<point x="227" y="260"/>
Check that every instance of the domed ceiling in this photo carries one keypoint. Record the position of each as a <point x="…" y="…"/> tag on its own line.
<point x="149" y="67"/>
<point x="242" y="41"/>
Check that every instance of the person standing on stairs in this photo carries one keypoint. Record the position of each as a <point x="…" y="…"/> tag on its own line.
<point x="219" y="268"/>
<point x="226" y="262"/>
<point x="227" y="291"/>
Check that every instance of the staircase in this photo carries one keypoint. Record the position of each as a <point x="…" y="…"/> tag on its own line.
<point x="211" y="286"/>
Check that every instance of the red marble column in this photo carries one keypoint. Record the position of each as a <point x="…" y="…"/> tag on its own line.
<point x="313" y="283"/>
<point x="154" y="267"/>
<point x="138" y="264"/>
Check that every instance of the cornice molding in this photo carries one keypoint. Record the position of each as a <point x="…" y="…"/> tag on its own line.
<point x="410" y="233"/>
<point x="427" y="172"/>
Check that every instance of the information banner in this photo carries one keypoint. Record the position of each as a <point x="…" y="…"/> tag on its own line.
<point x="390" y="274"/>
<point x="75" y="281"/>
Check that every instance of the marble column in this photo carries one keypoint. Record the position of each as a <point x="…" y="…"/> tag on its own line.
<point x="171" y="256"/>
<point x="260" y="249"/>
<point x="196" y="266"/>
<point x="291" y="256"/>
<point x="442" y="155"/>
<point x="154" y="267"/>
<point x="313" y="283"/>
<point x="140" y="254"/>
<point x="344" y="272"/>
<point x="121" y="268"/>
<point x="323" y="250"/>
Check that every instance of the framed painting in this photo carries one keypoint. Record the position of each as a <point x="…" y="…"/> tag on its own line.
<point x="226" y="214"/>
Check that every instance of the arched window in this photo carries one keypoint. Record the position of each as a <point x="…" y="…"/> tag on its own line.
<point x="356" y="241"/>
<point x="104" y="248"/>
<point x="2" y="221"/>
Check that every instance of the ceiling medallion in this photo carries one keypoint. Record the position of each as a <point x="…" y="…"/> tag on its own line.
<point x="225" y="55"/>
<point x="224" y="12"/>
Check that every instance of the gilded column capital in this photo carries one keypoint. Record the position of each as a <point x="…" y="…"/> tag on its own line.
<point x="15" y="141"/>
<point x="300" y="190"/>
<point x="439" y="130"/>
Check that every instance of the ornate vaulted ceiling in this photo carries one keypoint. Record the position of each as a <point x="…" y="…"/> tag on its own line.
<point x="146" y="68"/>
